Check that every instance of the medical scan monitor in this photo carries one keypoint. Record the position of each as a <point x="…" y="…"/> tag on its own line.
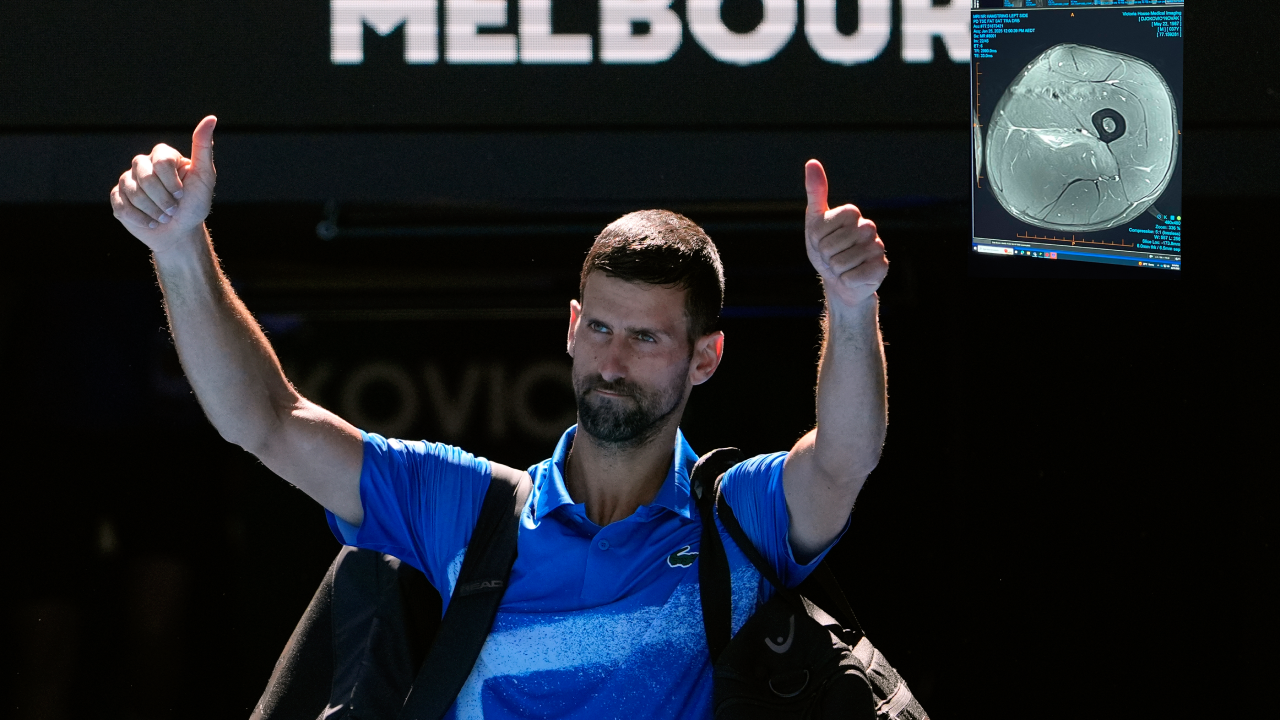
<point x="1077" y="118"/>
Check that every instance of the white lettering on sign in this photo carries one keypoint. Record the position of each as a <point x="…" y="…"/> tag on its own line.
<point x="757" y="45"/>
<point x="922" y="20"/>
<point x="347" y="19"/>
<point x="864" y="45"/>
<point x="463" y="41"/>
<point x="642" y="31"/>
<point x="619" y="42"/>
<point x="539" y="45"/>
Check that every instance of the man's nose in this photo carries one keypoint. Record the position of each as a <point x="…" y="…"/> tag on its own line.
<point x="613" y="362"/>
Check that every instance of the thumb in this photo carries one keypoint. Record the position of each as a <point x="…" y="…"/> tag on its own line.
<point x="815" y="186"/>
<point x="202" y="146"/>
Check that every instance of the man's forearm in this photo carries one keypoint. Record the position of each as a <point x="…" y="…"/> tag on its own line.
<point x="826" y="468"/>
<point x="852" y="404"/>
<point x="226" y="357"/>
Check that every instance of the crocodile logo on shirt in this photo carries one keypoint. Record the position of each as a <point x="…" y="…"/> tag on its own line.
<point x="682" y="557"/>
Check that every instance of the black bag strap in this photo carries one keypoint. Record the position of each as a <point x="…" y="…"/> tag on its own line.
<point x="822" y="573"/>
<point x="715" y="589"/>
<point x="827" y="579"/>
<point x="748" y="548"/>
<point x="486" y="568"/>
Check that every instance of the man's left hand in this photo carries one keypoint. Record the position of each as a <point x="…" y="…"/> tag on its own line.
<point x="842" y="244"/>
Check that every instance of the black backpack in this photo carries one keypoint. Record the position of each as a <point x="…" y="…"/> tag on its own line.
<point x="791" y="659"/>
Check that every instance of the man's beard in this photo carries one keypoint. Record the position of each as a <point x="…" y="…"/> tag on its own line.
<point x="628" y="421"/>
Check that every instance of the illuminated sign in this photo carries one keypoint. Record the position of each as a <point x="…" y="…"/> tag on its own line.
<point x="461" y="64"/>
<point x="641" y="31"/>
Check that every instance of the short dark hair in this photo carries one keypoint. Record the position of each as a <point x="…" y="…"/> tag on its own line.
<point x="660" y="247"/>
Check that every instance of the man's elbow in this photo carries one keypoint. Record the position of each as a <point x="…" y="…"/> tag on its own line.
<point x="848" y="465"/>
<point x="252" y="443"/>
<point x="852" y="475"/>
<point x="257" y="436"/>
<point x="869" y="457"/>
<point x="860" y="470"/>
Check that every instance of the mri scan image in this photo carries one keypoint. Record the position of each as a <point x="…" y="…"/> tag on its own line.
<point x="977" y="145"/>
<point x="1083" y="139"/>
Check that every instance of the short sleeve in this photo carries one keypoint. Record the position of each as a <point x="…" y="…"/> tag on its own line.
<point x="420" y="501"/>
<point x="753" y="488"/>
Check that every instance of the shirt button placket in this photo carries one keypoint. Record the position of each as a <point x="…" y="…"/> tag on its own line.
<point x="599" y="581"/>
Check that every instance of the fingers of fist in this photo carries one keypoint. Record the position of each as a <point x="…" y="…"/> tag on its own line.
<point x="125" y="211"/>
<point x="868" y="253"/>
<point x="846" y="249"/>
<point x="842" y="239"/>
<point x="147" y="194"/>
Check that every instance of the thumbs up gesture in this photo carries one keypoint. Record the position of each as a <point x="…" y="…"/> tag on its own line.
<point x="165" y="196"/>
<point x="842" y="244"/>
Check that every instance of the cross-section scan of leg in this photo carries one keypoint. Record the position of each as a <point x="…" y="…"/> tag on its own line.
<point x="1083" y="139"/>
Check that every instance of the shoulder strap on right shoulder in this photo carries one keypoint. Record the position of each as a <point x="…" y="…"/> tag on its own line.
<point x="486" y="568"/>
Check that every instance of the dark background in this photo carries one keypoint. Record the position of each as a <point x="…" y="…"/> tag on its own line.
<point x="1073" y="514"/>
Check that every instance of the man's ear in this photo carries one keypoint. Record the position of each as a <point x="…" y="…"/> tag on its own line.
<point x="575" y="312"/>
<point x="707" y="353"/>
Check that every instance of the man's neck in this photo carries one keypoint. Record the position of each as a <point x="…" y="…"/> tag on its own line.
<point x="613" y="482"/>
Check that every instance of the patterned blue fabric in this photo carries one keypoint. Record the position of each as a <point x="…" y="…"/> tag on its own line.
<point x="597" y="622"/>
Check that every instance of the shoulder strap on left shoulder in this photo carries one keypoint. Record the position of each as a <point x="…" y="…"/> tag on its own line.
<point x="482" y="581"/>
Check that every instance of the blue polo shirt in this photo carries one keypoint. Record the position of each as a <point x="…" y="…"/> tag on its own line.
<point x="597" y="622"/>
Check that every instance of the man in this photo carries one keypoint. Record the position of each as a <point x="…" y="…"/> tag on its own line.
<point x="601" y="617"/>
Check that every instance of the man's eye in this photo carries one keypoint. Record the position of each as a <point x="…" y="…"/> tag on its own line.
<point x="599" y="327"/>
<point x="645" y="337"/>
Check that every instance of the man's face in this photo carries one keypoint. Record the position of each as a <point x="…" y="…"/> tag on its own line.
<point x="631" y="359"/>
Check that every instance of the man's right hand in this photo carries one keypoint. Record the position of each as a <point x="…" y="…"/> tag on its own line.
<point x="164" y="197"/>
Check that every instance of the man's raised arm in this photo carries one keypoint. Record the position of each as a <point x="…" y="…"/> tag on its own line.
<point x="163" y="201"/>
<point x="827" y="467"/>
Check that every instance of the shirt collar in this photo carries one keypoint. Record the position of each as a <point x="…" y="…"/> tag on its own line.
<point x="673" y="495"/>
